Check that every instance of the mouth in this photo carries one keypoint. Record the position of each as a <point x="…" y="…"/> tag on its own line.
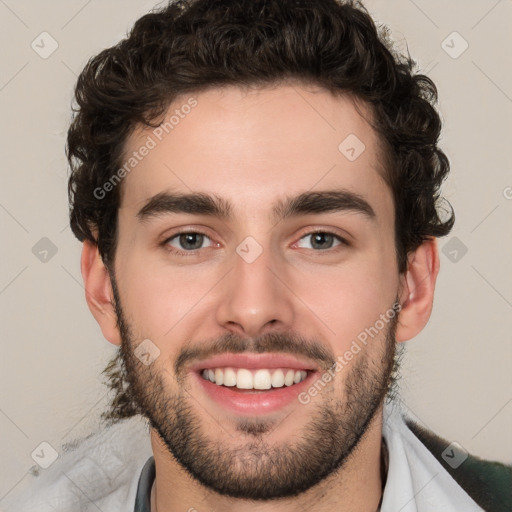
<point x="253" y="384"/>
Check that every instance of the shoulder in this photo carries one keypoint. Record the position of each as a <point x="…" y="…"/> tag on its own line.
<point x="99" y="470"/>
<point x="489" y="483"/>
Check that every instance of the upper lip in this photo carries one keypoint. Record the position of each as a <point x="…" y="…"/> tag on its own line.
<point x="254" y="361"/>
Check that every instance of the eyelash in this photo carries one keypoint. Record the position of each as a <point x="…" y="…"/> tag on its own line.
<point x="172" y="250"/>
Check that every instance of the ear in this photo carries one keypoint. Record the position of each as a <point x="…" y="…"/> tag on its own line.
<point x="417" y="290"/>
<point x="98" y="292"/>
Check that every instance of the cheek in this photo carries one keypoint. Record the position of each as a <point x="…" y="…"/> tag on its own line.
<point x="158" y="298"/>
<point x="351" y="298"/>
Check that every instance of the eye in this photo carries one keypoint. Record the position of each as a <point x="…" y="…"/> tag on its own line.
<point x="187" y="241"/>
<point x="322" y="240"/>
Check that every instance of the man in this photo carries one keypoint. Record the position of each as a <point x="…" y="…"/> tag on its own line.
<point x="257" y="188"/>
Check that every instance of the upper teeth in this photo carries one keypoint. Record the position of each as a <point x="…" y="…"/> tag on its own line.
<point x="243" y="378"/>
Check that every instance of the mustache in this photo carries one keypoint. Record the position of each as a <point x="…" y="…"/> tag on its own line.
<point x="287" y="343"/>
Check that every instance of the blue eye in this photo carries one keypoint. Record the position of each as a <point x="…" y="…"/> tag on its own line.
<point x="188" y="241"/>
<point x="323" y="240"/>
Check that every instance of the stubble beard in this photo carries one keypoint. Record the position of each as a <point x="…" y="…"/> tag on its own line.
<point x="252" y="467"/>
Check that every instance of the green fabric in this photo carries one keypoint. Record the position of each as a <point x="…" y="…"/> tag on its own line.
<point x="489" y="483"/>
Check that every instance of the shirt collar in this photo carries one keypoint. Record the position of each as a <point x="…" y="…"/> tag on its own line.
<point x="146" y="479"/>
<point x="416" y="481"/>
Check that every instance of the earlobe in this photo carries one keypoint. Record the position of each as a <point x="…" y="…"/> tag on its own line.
<point x="417" y="290"/>
<point x="98" y="292"/>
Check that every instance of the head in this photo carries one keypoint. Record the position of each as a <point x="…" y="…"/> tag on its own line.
<point x="299" y="152"/>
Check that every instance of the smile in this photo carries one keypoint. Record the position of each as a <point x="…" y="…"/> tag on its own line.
<point x="244" y="378"/>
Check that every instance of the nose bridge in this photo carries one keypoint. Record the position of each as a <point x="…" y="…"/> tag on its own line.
<point x="253" y="297"/>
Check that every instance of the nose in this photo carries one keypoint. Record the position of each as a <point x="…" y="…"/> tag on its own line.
<point x="255" y="298"/>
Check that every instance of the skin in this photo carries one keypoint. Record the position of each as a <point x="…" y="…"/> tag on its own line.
<point x="252" y="148"/>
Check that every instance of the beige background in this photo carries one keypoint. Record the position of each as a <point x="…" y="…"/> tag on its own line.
<point x="456" y="376"/>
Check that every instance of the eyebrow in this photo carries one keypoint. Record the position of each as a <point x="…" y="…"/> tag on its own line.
<point x="307" y="203"/>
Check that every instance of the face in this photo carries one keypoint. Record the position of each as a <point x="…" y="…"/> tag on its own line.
<point x="256" y="249"/>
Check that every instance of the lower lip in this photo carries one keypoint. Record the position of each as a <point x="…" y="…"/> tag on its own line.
<point x="254" y="402"/>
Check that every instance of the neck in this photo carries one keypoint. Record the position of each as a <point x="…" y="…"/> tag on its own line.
<point x="357" y="486"/>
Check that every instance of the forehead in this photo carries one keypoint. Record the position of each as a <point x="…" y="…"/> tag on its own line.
<point x="253" y="146"/>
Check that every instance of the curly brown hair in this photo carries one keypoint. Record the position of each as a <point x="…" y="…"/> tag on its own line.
<point x="190" y="46"/>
